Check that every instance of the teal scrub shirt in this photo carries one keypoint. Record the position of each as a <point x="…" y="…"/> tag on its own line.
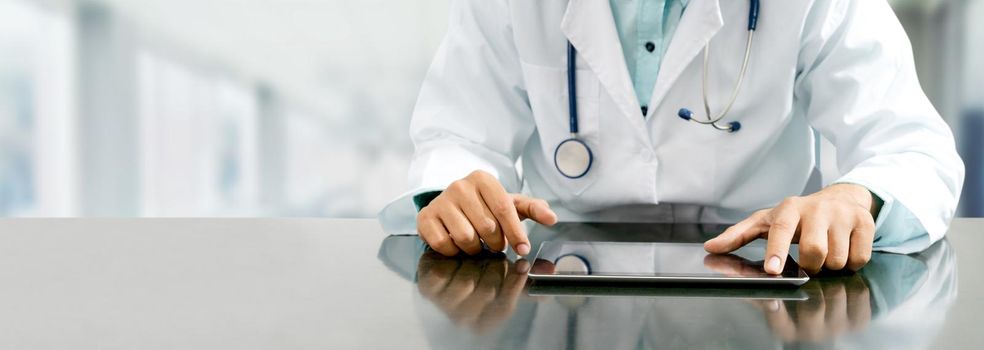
<point x="645" y="28"/>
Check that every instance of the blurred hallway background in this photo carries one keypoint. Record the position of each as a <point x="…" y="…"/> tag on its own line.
<point x="284" y="108"/>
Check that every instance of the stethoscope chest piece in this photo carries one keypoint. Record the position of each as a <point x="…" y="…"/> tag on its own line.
<point x="572" y="264"/>
<point x="573" y="158"/>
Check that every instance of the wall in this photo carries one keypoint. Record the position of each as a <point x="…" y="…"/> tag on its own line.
<point x="289" y="108"/>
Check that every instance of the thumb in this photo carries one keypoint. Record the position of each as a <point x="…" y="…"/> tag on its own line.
<point x="535" y="209"/>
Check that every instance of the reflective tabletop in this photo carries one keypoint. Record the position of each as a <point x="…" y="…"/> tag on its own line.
<point x="321" y="283"/>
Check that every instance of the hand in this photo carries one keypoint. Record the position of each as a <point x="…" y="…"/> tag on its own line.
<point x="478" y="209"/>
<point x="834" y="228"/>
<point x="477" y="293"/>
<point x="836" y="306"/>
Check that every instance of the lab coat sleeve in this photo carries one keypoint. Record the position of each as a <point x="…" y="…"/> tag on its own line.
<point x="472" y="112"/>
<point x="858" y="87"/>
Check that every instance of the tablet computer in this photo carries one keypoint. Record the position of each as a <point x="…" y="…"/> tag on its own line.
<point x="676" y="263"/>
<point x="600" y="290"/>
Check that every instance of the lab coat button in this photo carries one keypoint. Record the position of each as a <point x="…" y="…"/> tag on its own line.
<point x="647" y="155"/>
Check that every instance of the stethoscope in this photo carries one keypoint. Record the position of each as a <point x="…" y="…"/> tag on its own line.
<point x="572" y="264"/>
<point x="573" y="157"/>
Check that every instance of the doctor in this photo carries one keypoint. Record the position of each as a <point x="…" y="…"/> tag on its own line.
<point x="707" y="110"/>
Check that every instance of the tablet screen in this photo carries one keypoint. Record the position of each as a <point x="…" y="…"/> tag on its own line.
<point x="652" y="259"/>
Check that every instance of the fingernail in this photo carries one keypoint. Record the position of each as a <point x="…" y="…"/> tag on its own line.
<point x="522" y="266"/>
<point x="774" y="305"/>
<point x="523" y="249"/>
<point x="772" y="266"/>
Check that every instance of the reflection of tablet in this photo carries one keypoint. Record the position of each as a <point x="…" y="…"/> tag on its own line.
<point x="656" y="263"/>
<point x="607" y="290"/>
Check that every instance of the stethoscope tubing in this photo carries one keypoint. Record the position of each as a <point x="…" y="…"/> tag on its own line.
<point x="734" y="95"/>
<point x="572" y="87"/>
<point x="686" y="114"/>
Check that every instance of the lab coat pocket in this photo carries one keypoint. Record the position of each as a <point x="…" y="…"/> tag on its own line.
<point x="547" y="90"/>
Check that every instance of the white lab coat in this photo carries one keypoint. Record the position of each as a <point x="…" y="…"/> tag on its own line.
<point x="497" y="92"/>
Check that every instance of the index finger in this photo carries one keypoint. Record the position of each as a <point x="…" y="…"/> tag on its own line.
<point x="738" y="235"/>
<point x="500" y="203"/>
<point x="782" y="228"/>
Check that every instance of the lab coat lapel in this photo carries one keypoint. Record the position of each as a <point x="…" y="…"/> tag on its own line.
<point x="590" y="26"/>
<point x="700" y="22"/>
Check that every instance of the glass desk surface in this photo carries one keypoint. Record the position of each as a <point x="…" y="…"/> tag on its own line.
<point x="319" y="283"/>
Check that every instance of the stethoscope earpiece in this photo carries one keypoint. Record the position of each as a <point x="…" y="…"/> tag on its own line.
<point x="688" y="115"/>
